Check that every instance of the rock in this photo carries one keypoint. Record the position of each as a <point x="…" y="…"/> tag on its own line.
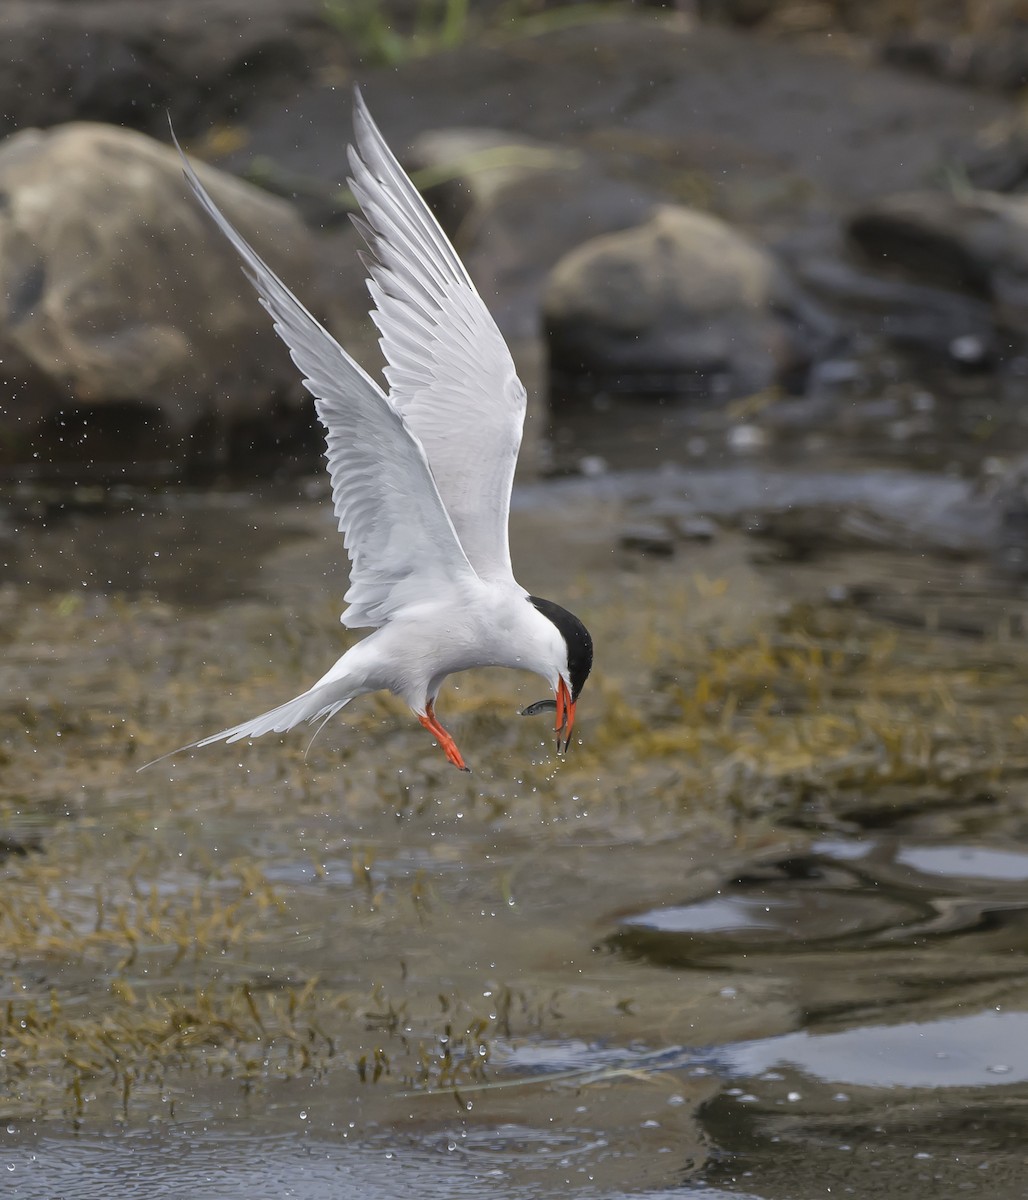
<point x="648" y="539"/>
<point x="129" y="62"/>
<point x="996" y="60"/>
<point x="887" y="307"/>
<point x="681" y="303"/>
<point x="736" y="12"/>
<point x="975" y="244"/>
<point x="465" y="170"/>
<point x="121" y="298"/>
<point x="746" y="438"/>
<point x="1007" y="493"/>
<point x="755" y="126"/>
<point x="696" y="529"/>
<point x="1001" y="163"/>
<point x="514" y="205"/>
<point x="804" y="533"/>
<point x="756" y="129"/>
<point x="592" y="466"/>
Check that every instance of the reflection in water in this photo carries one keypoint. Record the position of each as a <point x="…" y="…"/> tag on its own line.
<point x="773" y="906"/>
<point x="915" y="1145"/>
<point x="723" y="914"/>
<point x="984" y="1049"/>
<point x="234" y="1163"/>
<point x="907" y="962"/>
<point x="853" y="905"/>
<point x="188" y="547"/>
<point x="966" y="862"/>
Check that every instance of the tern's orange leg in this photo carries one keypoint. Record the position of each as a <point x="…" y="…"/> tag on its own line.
<point x="449" y="746"/>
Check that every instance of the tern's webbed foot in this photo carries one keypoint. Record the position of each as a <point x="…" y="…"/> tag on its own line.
<point x="448" y="745"/>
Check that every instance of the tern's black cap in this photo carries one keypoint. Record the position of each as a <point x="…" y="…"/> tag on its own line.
<point x="576" y="638"/>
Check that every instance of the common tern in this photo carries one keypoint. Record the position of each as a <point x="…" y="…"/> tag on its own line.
<point x="421" y="475"/>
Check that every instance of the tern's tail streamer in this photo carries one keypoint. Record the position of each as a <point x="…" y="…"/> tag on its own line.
<point x="320" y="702"/>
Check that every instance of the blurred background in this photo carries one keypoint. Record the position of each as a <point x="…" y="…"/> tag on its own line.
<point x="763" y="266"/>
<point x="810" y="213"/>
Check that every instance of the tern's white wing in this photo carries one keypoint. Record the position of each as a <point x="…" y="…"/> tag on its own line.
<point x="400" y="539"/>
<point x="449" y="371"/>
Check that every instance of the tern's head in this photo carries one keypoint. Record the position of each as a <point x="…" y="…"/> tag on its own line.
<point x="573" y="650"/>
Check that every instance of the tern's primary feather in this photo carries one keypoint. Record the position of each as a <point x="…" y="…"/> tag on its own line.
<point x="396" y="530"/>
<point x="449" y="371"/>
<point x="421" y="478"/>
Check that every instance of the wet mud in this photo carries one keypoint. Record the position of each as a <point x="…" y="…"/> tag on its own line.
<point x="761" y="931"/>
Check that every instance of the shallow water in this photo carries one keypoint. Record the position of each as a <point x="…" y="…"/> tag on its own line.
<point x="762" y="934"/>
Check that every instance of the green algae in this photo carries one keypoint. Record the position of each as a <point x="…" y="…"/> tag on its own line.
<point x="269" y="912"/>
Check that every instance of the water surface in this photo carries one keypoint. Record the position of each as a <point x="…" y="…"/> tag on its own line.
<point x="763" y="933"/>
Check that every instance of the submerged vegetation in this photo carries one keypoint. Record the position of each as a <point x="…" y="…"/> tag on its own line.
<point x="259" y="913"/>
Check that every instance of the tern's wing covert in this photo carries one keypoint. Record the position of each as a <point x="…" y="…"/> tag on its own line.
<point x="400" y="539"/>
<point x="449" y="370"/>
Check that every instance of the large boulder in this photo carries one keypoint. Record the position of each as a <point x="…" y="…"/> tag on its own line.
<point x="974" y="243"/>
<point x="879" y="311"/>
<point x="119" y="297"/>
<point x="995" y="59"/>
<point x="132" y="62"/>
<point x="682" y="303"/>
<point x="514" y="205"/>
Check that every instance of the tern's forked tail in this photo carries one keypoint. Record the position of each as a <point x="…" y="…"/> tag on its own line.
<point x="319" y="702"/>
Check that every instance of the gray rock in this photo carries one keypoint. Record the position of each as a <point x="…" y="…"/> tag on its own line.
<point x="999" y="163"/>
<point x="1008" y="495"/>
<point x="131" y="62"/>
<point x="680" y="303"/>
<point x="465" y="170"/>
<point x="736" y="12"/>
<point x="514" y="205"/>
<point x="941" y="513"/>
<point x="648" y="538"/>
<point x="696" y="529"/>
<point x="120" y="295"/>
<point x="975" y="244"/>
<point x="996" y="60"/>
<point x="917" y="315"/>
<point x="755" y="129"/>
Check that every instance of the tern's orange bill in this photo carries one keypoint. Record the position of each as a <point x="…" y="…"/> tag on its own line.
<point x="565" y="715"/>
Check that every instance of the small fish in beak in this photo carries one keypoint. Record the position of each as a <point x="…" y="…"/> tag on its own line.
<point x="564" y="707"/>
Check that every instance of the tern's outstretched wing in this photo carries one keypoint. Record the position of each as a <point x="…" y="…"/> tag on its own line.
<point x="399" y="537"/>
<point x="449" y="371"/>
